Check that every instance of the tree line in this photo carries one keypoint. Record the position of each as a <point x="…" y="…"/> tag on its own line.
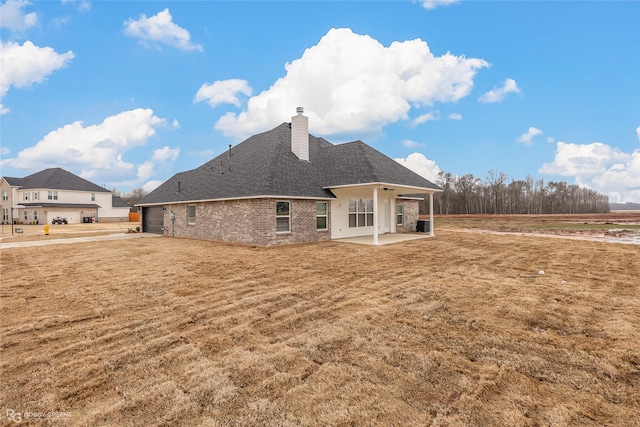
<point x="496" y="194"/>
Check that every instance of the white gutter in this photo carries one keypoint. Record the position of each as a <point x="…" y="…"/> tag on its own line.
<point x="383" y="184"/>
<point x="235" y="198"/>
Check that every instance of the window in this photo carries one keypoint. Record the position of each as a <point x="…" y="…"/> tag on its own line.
<point x="36" y="195"/>
<point x="5" y="195"/>
<point x="5" y="214"/>
<point x="360" y="212"/>
<point x="52" y="195"/>
<point x="26" y="196"/>
<point x="93" y="197"/>
<point x="35" y="215"/>
<point x="321" y="215"/>
<point x="25" y="216"/>
<point x="191" y="214"/>
<point x="399" y="214"/>
<point x="283" y="217"/>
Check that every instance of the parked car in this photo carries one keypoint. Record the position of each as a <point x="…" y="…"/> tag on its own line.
<point x="59" y="220"/>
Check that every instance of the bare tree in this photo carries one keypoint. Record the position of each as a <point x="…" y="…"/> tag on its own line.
<point x="496" y="182"/>
<point x="133" y="196"/>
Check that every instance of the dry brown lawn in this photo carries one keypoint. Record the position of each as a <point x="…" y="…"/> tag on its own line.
<point x="458" y="330"/>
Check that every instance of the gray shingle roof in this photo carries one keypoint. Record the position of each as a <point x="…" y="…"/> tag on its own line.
<point x="264" y="165"/>
<point x="357" y="163"/>
<point x="118" y="202"/>
<point x="55" y="179"/>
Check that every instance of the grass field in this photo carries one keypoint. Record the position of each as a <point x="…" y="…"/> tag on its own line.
<point x="464" y="329"/>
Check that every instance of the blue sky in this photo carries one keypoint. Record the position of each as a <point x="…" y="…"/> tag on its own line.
<point x="127" y="93"/>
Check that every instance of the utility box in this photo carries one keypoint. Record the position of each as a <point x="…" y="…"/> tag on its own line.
<point x="423" y="226"/>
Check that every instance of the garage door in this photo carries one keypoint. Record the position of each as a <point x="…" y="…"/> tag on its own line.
<point x="153" y="220"/>
<point x="72" y="217"/>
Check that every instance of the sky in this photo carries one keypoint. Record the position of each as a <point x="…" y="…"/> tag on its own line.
<point x="128" y="93"/>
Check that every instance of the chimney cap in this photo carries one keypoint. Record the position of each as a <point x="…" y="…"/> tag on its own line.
<point x="300" y="110"/>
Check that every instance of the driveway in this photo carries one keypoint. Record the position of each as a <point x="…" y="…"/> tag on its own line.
<point x="117" y="236"/>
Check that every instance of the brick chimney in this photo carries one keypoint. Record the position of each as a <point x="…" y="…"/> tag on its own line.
<point x="300" y="135"/>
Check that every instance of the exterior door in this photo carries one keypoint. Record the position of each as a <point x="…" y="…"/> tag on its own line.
<point x="153" y="220"/>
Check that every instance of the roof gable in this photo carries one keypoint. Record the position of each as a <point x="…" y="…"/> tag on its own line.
<point x="57" y="179"/>
<point x="357" y="163"/>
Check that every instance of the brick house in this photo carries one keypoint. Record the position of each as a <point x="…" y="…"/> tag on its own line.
<point x="286" y="186"/>
<point x="44" y="195"/>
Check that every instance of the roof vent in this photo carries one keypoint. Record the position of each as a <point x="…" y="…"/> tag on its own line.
<point x="300" y="135"/>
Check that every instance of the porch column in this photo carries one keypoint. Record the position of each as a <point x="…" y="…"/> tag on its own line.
<point x="375" y="215"/>
<point x="431" y="214"/>
<point x="393" y="219"/>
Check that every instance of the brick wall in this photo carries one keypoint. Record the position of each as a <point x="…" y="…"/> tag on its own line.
<point x="249" y="221"/>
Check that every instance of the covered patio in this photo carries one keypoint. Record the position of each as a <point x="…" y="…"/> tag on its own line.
<point x="384" y="239"/>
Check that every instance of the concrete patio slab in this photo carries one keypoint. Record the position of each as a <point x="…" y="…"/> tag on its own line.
<point x="385" y="239"/>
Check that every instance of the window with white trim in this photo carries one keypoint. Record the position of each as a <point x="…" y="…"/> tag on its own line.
<point x="360" y="212"/>
<point x="25" y="215"/>
<point x="399" y="214"/>
<point x="5" y="214"/>
<point x="5" y="195"/>
<point x="321" y="216"/>
<point x="283" y="216"/>
<point x="35" y="215"/>
<point x="93" y="197"/>
<point x="36" y="195"/>
<point x="52" y="195"/>
<point x="191" y="214"/>
<point x="26" y="195"/>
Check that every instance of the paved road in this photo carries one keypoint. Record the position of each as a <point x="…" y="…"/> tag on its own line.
<point x="118" y="236"/>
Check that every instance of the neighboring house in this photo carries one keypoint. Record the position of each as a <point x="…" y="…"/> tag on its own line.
<point x="286" y="186"/>
<point x="44" y="195"/>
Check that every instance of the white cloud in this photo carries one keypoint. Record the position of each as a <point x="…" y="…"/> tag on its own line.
<point x="455" y="116"/>
<point x="161" y="156"/>
<point x="432" y="4"/>
<point x="13" y="17"/>
<point x="82" y="5"/>
<point x="165" y="153"/>
<point x="428" y="117"/>
<point x="497" y="95"/>
<point x="638" y="132"/>
<point x="550" y="139"/>
<point x="149" y="186"/>
<point x="411" y="144"/>
<point x="352" y="83"/>
<point x="160" y="29"/>
<point x="98" y="150"/>
<point x="600" y="167"/>
<point x="223" y="92"/>
<point x="527" y="138"/>
<point x="23" y="65"/>
<point x="418" y="163"/>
